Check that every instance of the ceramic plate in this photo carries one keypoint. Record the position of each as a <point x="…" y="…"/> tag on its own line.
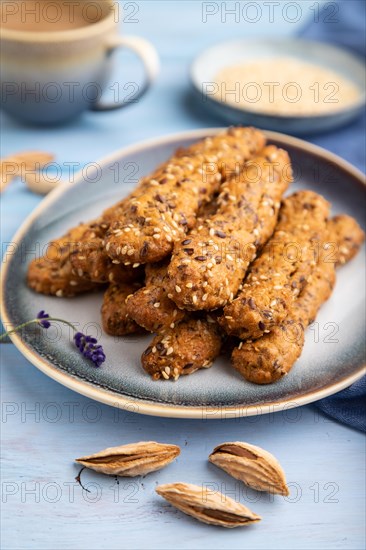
<point x="333" y="357"/>
<point x="206" y="66"/>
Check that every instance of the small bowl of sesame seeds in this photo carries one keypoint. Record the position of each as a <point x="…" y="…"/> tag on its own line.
<point x="287" y="85"/>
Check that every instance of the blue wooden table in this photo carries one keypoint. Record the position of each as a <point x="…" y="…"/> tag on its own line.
<point x="45" y="426"/>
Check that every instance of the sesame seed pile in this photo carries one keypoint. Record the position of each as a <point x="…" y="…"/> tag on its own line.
<point x="285" y="86"/>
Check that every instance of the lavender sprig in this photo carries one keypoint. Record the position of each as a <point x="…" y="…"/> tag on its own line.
<point x="87" y="345"/>
<point x="42" y="316"/>
<point x="90" y="348"/>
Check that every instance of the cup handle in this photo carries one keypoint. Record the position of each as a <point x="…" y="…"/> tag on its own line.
<point x="148" y="55"/>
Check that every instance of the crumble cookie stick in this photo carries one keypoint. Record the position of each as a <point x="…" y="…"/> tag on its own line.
<point x="112" y="213"/>
<point x="95" y="265"/>
<point x="278" y="274"/>
<point x="150" y="306"/>
<point x="90" y="260"/>
<point x="269" y="358"/>
<point x="165" y="205"/>
<point x="115" y="318"/>
<point x="209" y="264"/>
<point x="279" y="178"/>
<point x="53" y="273"/>
<point x="191" y="345"/>
<point x="345" y="238"/>
<point x="78" y="260"/>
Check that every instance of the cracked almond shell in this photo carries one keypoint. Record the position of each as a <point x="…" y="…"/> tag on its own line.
<point x="134" y="459"/>
<point x="207" y="506"/>
<point x="254" y="466"/>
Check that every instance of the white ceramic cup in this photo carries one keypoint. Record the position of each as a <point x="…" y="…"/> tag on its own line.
<point x="56" y="58"/>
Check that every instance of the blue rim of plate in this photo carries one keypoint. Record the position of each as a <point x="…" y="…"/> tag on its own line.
<point x="143" y="406"/>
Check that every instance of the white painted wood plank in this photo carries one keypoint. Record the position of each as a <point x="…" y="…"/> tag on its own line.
<point x="41" y="503"/>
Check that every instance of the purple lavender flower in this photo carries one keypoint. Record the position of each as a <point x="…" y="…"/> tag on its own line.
<point x="42" y="319"/>
<point x="90" y="348"/>
<point x="87" y="345"/>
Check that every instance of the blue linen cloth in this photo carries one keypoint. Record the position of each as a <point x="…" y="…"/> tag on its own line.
<point x="347" y="406"/>
<point x="348" y="31"/>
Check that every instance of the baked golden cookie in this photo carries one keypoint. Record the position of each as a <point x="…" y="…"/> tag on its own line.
<point x="345" y="238"/>
<point x="269" y="358"/>
<point x="115" y="318"/>
<point x="191" y="345"/>
<point x="279" y="273"/>
<point x="208" y="264"/>
<point x="91" y="261"/>
<point x="150" y="306"/>
<point x="53" y="273"/>
<point x="165" y="204"/>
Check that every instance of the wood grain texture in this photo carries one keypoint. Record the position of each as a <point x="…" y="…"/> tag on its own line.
<point x="46" y="426"/>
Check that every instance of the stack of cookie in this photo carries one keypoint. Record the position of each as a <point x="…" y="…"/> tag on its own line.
<point x="205" y="252"/>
